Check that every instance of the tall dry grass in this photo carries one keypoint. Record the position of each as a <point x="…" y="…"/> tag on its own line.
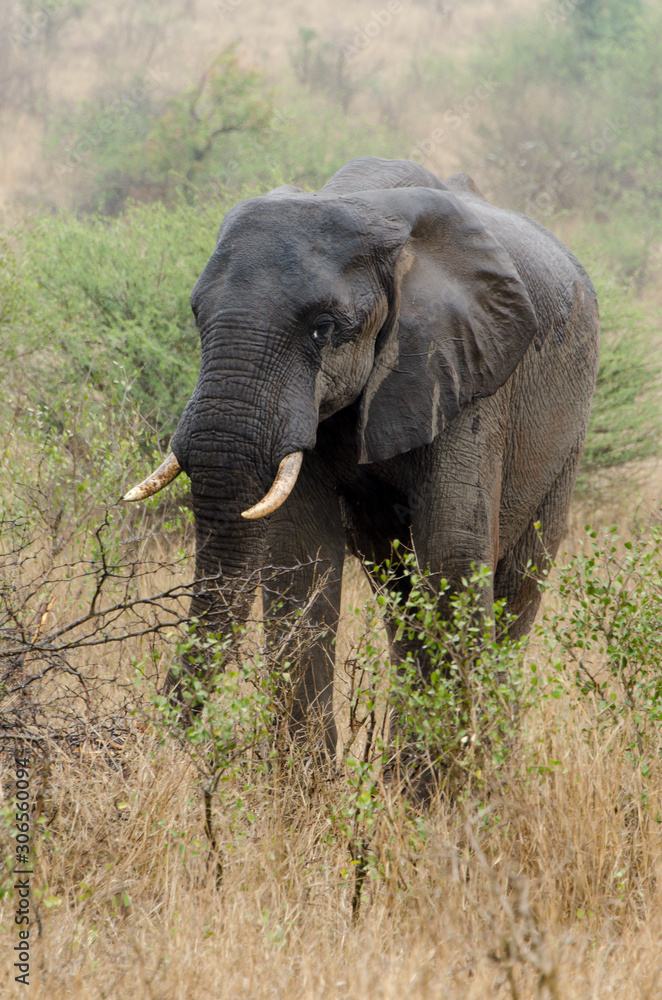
<point x="553" y="892"/>
<point x="548" y="886"/>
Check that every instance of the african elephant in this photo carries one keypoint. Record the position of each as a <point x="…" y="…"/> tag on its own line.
<point x="388" y="344"/>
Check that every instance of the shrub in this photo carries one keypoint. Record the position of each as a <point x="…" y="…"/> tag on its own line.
<point x="607" y="629"/>
<point x="625" y="417"/>
<point x="148" y="148"/>
<point x="455" y="705"/>
<point x="104" y="308"/>
<point x="323" y="65"/>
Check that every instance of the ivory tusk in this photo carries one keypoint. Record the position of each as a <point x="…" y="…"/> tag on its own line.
<point x="165" y="474"/>
<point x="283" y="484"/>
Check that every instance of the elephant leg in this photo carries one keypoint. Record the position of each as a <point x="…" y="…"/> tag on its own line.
<point x="454" y="524"/>
<point x="305" y="552"/>
<point x="455" y="517"/>
<point x="538" y="548"/>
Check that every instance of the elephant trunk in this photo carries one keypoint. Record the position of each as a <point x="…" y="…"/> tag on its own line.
<point x="238" y="440"/>
<point x="229" y="552"/>
<point x="228" y="547"/>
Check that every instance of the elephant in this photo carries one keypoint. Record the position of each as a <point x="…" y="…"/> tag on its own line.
<point x="388" y="358"/>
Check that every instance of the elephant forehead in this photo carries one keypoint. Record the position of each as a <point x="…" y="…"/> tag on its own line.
<point x="294" y="234"/>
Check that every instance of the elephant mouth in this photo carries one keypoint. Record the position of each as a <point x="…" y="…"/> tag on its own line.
<point x="282" y="486"/>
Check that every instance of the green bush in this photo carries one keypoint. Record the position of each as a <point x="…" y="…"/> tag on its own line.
<point x="149" y="148"/>
<point x="323" y="65"/>
<point x="456" y="710"/>
<point x="104" y="306"/>
<point x="625" y="417"/>
<point x="607" y="630"/>
<point x="104" y="303"/>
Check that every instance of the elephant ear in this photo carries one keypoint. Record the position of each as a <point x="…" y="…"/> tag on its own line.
<point x="460" y="318"/>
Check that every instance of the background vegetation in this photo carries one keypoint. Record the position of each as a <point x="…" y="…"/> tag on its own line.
<point x="213" y="861"/>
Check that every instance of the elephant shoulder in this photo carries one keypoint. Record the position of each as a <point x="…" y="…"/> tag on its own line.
<point x="370" y="173"/>
<point x="283" y="190"/>
<point x="463" y="184"/>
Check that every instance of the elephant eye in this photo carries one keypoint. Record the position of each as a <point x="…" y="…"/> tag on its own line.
<point x="323" y="330"/>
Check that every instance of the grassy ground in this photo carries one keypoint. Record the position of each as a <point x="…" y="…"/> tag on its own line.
<point x="555" y="893"/>
<point x="544" y="882"/>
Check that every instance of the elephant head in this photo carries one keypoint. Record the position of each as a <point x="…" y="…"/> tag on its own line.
<point x="383" y="287"/>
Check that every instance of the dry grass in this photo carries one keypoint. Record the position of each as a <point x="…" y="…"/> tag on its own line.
<point x="550" y="886"/>
<point x="554" y="892"/>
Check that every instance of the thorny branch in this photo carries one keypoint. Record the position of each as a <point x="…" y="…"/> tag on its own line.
<point x="73" y="632"/>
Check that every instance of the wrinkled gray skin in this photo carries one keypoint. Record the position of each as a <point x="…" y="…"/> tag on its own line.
<point x="432" y="355"/>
